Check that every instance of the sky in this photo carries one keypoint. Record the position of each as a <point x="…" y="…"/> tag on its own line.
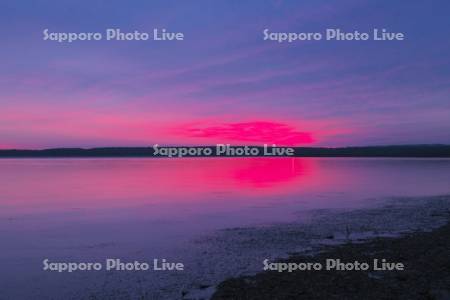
<point x="223" y="83"/>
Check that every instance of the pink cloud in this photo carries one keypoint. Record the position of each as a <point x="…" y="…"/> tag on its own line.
<point x="255" y="131"/>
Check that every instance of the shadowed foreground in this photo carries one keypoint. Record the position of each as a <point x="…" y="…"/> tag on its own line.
<point x="426" y="257"/>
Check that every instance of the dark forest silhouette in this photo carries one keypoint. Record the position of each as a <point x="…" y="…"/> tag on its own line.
<point x="369" y="151"/>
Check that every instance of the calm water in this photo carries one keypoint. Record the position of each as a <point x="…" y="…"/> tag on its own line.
<point x="75" y="209"/>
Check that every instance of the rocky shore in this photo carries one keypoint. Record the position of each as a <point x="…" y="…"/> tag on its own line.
<point x="426" y="275"/>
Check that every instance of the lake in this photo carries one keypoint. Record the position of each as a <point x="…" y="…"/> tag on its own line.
<point x="91" y="209"/>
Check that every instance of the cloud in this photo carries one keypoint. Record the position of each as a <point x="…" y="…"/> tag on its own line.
<point x="247" y="132"/>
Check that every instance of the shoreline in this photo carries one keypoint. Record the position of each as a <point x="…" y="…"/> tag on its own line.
<point x="395" y="220"/>
<point x="417" y="151"/>
<point x="426" y="274"/>
<point x="213" y="259"/>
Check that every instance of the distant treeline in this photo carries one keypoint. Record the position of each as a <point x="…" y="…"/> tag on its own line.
<point x="371" y="151"/>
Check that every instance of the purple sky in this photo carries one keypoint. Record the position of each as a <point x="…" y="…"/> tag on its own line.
<point x="224" y="83"/>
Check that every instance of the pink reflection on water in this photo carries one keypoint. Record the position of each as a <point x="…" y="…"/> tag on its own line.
<point x="49" y="185"/>
<point x="270" y="173"/>
<point x="44" y="183"/>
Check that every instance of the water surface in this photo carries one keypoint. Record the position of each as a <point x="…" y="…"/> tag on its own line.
<point x="89" y="209"/>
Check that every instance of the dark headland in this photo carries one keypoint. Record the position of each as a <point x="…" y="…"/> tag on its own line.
<point x="369" y="151"/>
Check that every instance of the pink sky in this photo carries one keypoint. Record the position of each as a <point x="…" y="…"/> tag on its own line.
<point x="224" y="83"/>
